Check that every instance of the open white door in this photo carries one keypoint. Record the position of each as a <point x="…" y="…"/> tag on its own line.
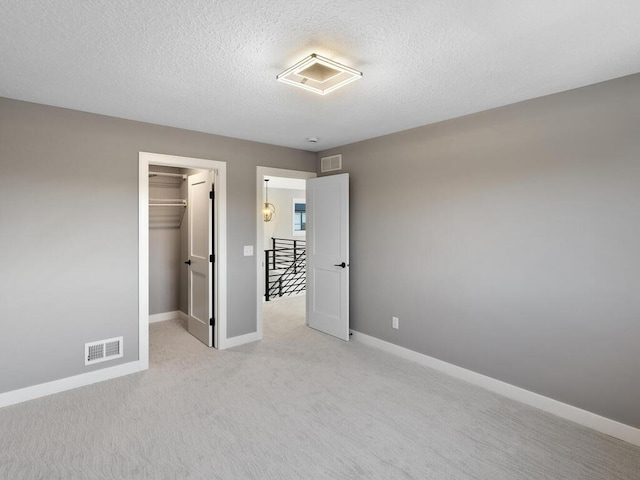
<point x="199" y="238"/>
<point x="328" y="254"/>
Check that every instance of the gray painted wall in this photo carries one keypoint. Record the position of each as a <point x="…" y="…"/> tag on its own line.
<point x="282" y="224"/>
<point x="507" y="242"/>
<point x="69" y="239"/>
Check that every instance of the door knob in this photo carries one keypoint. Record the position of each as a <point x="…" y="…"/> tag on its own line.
<point x="188" y="262"/>
<point x="343" y="265"/>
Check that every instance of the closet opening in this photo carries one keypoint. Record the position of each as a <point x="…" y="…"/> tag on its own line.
<point x="182" y="248"/>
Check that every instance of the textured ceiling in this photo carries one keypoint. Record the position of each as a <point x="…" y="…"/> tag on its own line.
<point x="210" y="65"/>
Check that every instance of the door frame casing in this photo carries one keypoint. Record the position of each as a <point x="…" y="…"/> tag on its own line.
<point x="144" y="160"/>
<point x="260" y="174"/>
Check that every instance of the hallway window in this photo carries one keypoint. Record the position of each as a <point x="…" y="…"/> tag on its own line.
<point x="299" y="216"/>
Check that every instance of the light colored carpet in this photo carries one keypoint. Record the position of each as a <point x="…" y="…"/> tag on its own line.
<point x="298" y="405"/>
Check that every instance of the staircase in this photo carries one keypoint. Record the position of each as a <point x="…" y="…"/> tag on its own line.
<point x="285" y="271"/>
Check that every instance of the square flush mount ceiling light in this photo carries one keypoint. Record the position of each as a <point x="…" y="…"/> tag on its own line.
<point x="319" y="74"/>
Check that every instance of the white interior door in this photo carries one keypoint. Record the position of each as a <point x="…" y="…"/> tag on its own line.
<point x="200" y="234"/>
<point x="328" y="254"/>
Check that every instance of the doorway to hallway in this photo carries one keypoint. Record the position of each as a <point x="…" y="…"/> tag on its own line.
<point x="281" y="244"/>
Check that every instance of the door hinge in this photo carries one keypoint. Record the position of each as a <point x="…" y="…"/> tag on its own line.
<point x="212" y="322"/>
<point x="212" y="258"/>
<point x="212" y="194"/>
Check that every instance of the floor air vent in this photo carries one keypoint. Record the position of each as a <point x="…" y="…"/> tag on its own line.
<point x="330" y="164"/>
<point x="103" y="350"/>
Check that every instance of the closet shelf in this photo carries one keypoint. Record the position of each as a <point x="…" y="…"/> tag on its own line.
<point x="167" y="202"/>
<point x="165" y="174"/>
<point x="172" y="210"/>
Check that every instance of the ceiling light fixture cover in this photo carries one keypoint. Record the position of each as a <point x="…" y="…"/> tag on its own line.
<point x="319" y="74"/>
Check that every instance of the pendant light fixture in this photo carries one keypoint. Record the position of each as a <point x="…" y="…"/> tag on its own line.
<point x="268" y="210"/>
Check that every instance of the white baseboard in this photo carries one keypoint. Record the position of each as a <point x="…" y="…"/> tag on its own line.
<point x="161" y="317"/>
<point x="577" y="415"/>
<point x="228" y="342"/>
<point x="239" y="340"/>
<point x="69" y="383"/>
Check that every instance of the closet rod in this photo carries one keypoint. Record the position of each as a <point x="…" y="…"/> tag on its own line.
<point x="167" y="202"/>
<point x="164" y="174"/>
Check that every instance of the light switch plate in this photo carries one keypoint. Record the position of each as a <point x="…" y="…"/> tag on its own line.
<point x="248" y="250"/>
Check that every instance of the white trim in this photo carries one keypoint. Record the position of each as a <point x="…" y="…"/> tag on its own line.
<point x="146" y="158"/>
<point x="261" y="172"/>
<point x="241" y="340"/>
<point x="183" y="316"/>
<point x="161" y="317"/>
<point x="577" y="415"/>
<point x="69" y="383"/>
<point x="143" y="261"/>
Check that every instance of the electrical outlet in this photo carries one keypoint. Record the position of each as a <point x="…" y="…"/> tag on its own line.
<point x="248" y="250"/>
<point x="394" y="323"/>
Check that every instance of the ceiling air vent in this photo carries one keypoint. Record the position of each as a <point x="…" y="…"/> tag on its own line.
<point x="102" y="350"/>
<point x="330" y="164"/>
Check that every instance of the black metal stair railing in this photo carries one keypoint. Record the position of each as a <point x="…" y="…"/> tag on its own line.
<point x="285" y="268"/>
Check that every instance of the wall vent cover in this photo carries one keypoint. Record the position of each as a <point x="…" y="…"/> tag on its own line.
<point x="102" y="350"/>
<point x="331" y="164"/>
